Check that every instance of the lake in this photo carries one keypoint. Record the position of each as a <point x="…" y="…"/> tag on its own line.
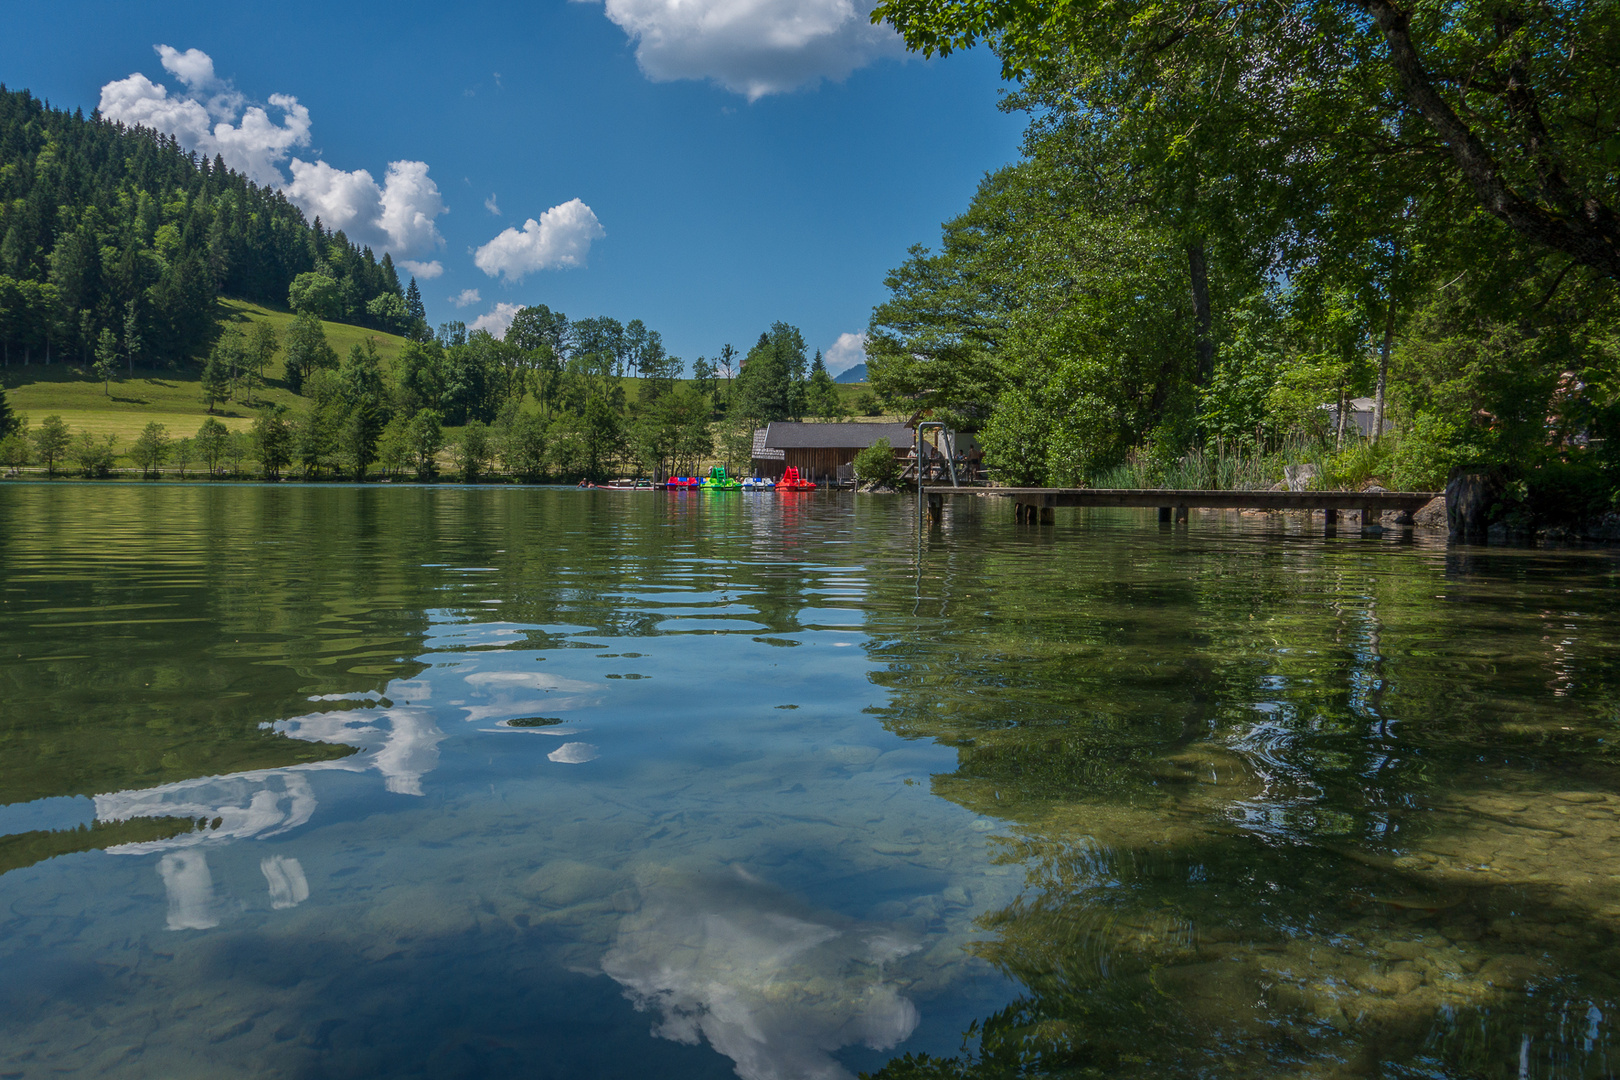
<point x="336" y="781"/>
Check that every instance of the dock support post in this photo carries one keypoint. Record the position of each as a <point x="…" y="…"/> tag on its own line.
<point x="1181" y="515"/>
<point x="1369" y="520"/>
<point x="1164" y="515"/>
<point x="1048" y="517"/>
<point x="1330" y="517"/>
<point x="936" y="508"/>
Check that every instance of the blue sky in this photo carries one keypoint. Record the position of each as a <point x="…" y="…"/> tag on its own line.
<point x="722" y="180"/>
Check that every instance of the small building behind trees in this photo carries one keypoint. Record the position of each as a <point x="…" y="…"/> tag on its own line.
<point x="826" y="452"/>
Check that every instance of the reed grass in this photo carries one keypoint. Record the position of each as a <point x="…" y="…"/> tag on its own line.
<point x="1223" y="466"/>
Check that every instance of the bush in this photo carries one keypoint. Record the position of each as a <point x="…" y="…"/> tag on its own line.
<point x="95" y="456"/>
<point x="877" y="464"/>
<point x="15" y="451"/>
<point x="1425" y="453"/>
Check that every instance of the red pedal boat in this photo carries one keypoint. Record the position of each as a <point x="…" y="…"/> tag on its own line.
<point x="683" y="483"/>
<point x="792" y="481"/>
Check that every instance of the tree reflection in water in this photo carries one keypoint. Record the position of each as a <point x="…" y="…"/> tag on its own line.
<point x="1294" y="809"/>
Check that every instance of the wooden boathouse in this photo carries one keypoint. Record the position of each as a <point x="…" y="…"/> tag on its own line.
<point x="825" y="453"/>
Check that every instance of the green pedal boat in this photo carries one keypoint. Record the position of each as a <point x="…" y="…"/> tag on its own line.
<point x="717" y="480"/>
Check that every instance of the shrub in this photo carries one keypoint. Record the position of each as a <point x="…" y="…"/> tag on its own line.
<point x="877" y="464"/>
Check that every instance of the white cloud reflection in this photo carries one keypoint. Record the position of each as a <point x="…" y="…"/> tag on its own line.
<point x="770" y="984"/>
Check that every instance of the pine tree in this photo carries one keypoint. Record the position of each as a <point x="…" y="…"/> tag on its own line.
<point x="413" y="303"/>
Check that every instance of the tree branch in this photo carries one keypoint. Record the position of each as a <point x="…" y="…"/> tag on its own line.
<point x="1590" y="235"/>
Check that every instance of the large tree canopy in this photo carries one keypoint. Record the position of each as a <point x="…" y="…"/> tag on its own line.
<point x="1516" y="102"/>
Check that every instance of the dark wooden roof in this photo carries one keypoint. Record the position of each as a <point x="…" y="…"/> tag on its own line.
<point x="848" y="436"/>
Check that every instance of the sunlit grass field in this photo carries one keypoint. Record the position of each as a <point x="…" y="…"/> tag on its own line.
<point x="172" y="398"/>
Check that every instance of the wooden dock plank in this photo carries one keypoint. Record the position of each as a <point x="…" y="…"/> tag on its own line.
<point x="1376" y="501"/>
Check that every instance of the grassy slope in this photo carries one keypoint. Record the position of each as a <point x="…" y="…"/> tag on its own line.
<point x="171" y="398"/>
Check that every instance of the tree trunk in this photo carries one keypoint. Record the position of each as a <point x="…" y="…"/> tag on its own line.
<point x="1344" y="413"/>
<point x="1383" y="372"/>
<point x="1204" y="345"/>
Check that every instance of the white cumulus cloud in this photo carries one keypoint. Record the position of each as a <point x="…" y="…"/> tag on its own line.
<point x="560" y="239"/>
<point x="466" y="298"/>
<point x="845" y="353"/>
<point x="498" y="321"/>
<point x="212" y="117"/>
<point x="427" y="271"/>
<point x="753" y="47"/>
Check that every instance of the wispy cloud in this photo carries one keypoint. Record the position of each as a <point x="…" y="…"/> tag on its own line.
<point x="492" y="206"/>
<point x="466" y="298"/>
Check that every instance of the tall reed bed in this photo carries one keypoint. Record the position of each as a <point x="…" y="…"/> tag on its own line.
<point x="1224" y="466"/>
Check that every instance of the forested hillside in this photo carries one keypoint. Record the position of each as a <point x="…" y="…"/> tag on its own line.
<point x="114" y="239"/>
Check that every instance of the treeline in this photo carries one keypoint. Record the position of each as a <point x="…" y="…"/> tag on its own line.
<point x="106" y="229"/>
<point x="1196" y="251"/>
<point x="553" y="399"/>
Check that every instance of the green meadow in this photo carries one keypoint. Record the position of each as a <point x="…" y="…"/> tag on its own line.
<point x="171" y="397"/>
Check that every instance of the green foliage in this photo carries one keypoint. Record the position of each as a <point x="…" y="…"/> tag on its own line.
<point x="1423" y="456"/>
<point x="821" y="397"/>
<point x="105" y="228"/>
<point x="273" y="439"/>
<point x="671" y="434"/>
<point x="151" y="449"/>
<point x="51" y="443"/>
<point x="16" y="450"/>
<point x="316" y="294"/>
<point x="211" y="445"/>
<point x="307" y="350"/>
<point x="472" y="449"/>
<point x="1378" y="101"/>
<point x="1194" y="252"/>
<point x="94" y="456"/>
<point x="181" y="453"/>
<point x="393" y="446"/>
<point x="106" y="365"/>
<point x="10" y="422"/>
<point x="425" y="438"/>
<point x="770" y="384"/>
<point x="877" y="464"/>
<point x="261" y="347"/>
<point x="361" y="408"/>
<point x="522" y="442"/>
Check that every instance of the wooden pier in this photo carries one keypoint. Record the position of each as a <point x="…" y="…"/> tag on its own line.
<point x="1035" y="505"/>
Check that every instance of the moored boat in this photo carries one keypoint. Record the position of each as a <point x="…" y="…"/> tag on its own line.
<point x="758" y="483"/>
<point x="683" y="483"/>
<point x="792" y="481"/>
<point x="717" y="480"/>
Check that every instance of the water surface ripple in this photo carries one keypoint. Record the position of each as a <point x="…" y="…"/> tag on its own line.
<point x="339" y="781"/>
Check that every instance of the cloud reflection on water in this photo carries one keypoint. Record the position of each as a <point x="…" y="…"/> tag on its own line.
<point x="770" y="984"/>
